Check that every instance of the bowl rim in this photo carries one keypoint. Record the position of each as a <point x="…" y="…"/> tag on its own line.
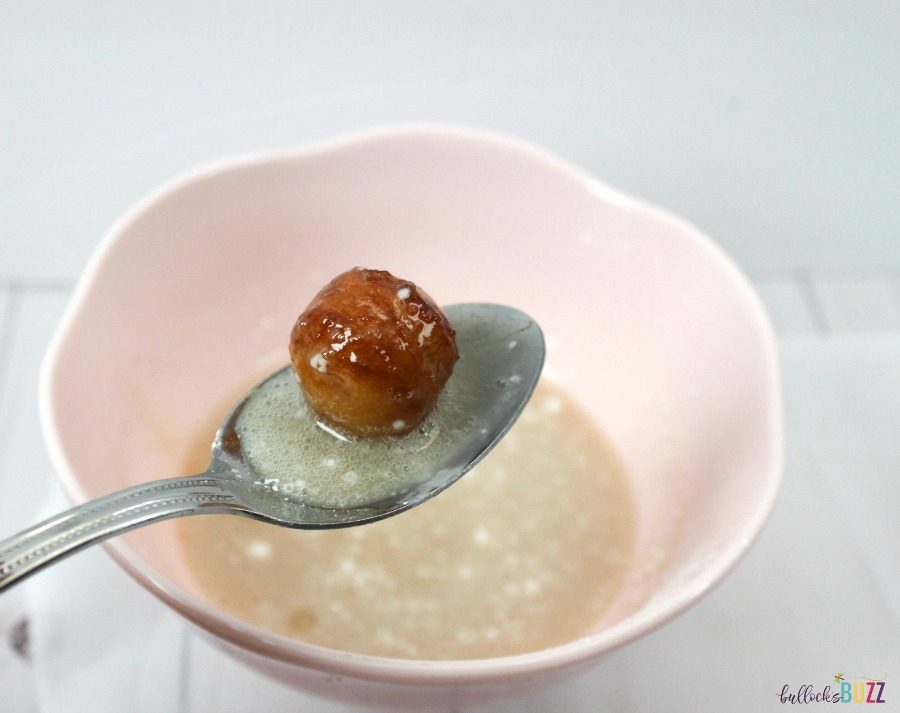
<point x="396" y="670"/>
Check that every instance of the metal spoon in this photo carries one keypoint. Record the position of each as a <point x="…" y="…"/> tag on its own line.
<point x="501" y="354"/>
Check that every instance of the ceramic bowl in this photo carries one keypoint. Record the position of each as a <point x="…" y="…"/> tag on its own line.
<point x="650" y="327"/>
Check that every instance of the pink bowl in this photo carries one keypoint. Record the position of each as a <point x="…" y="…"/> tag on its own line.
<point x="650" y="327"/>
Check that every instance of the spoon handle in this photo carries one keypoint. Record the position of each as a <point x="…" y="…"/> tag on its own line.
<point x="72" y="530"/>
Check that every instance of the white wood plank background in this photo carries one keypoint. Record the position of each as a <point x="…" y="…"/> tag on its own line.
<point x="771" y="125"/>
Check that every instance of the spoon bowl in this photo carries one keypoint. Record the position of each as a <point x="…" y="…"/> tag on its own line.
<point x="501" y="356"/>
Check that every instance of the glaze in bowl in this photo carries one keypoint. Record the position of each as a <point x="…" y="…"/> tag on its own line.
<point x="651" y="328"/>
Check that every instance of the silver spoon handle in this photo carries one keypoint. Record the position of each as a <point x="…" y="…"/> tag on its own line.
<point x="84" y="525"/>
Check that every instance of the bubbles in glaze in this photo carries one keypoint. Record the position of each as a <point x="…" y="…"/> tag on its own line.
<point x="301" y="458"/>
<point x="526" y="551"/>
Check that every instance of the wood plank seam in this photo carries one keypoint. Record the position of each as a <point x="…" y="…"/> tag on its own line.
<point x="804" y="280"/>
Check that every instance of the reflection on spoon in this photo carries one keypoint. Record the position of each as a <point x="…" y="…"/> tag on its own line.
<point x="501" y="355"/>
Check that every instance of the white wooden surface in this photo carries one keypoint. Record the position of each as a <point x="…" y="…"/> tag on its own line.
<point x="772" y="125"/>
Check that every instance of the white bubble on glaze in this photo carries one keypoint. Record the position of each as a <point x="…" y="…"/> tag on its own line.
<point x="259" y="549"/>
<point x="411" y="320"/>
<point x="345" y="337"/>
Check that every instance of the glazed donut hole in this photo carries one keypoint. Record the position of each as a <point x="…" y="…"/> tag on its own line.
<point x="372" y="353"/>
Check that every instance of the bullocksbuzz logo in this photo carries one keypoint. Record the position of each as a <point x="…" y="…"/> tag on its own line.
<point x="849" y="689"/>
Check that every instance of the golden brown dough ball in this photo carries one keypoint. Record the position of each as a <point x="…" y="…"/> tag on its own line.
<point x="372" y="353"/>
